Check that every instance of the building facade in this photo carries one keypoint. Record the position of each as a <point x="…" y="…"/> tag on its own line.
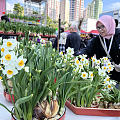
<point x="64" y="10"/>
<point x="93" y="9"/>
<point x="76" y="10"/>
<point x="70" y="10"/>
<point x="2" y="7"/>
<point x="53" y="7"/>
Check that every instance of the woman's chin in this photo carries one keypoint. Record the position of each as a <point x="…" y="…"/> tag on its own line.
<point x="103" y="35"/>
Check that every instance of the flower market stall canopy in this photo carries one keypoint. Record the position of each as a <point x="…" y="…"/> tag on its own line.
<point x="94" y="32"/>
<point x="67" y="31"/>
<point x="82" y="31"/>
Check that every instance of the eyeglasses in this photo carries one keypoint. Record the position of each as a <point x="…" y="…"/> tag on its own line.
<point x="100" y="27"/>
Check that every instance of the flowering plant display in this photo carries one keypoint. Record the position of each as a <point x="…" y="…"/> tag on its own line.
<point x="40" y="82"/>
<point x="11" y="62"/>
<point x="92" y="83"/>
<point x="96" y="74"/>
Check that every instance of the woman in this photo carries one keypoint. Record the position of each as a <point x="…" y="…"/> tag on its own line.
<point x="106" y="44"/>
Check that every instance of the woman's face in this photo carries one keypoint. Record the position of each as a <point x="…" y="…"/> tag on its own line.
<point x="101" y="29"/>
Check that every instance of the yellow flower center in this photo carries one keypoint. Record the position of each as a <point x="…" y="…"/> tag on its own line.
<point x="8" y="57"/>
<point x="21" y="63"/>
<point x="109" y="86"/>
<point x="77" y="61"/>
<point x="109" y="68"/>
<point x="108" y="79"/>
<point x="9" y="44"/>
<point x="84" y="75"/>
<point x="2" y="50"/>
<point x="61" y="53"/>
<point x="91" y="74"/>
<point x="69" y="51"/>
<point x="9" y="72"/>
<point x="0" y="78"/>
<point x="98" y="62"/>
<point x="82" y="59"/>
<point x="93" y="60"/>
<point x="2" y="60"/>
<point x="104" y="68"/>
<point x="105" y="59"/>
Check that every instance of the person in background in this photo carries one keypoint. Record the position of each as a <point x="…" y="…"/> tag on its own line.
<point x="56" y="40"/>
<point x="116" y="22"/>
<point x="73" y="40"/>
<point x="91" y="36"/>
<point x="5" y="18"/>
<point x="79" y="25"/>
<point x="110" y="39"/>
<point x="62" y="42"/>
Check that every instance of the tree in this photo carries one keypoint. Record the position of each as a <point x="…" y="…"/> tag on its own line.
<point x="18" y="9"/>
<point x="35" y="12"/>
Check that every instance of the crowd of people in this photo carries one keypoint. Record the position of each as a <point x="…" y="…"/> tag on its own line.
<point x="106" y="44"/>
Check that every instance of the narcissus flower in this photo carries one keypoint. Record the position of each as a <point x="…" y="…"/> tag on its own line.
<point x="10" y="71"/>
<point x="9" y="58"/>
<point x="70" y="51"/>
<point x="10" y="44"/>
<point x="84" y="75"/>
<point x="77" y="62"/>
<point x="20" y="63"/>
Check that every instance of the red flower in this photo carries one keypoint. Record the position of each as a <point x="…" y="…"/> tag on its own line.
<point x="55" y="80"/>
<point x="3" y="12"/>
<point x="38" y="20"/>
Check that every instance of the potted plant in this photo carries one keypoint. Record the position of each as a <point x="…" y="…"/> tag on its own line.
<point x="96" y="89"/>
<point x="40" y="82"/>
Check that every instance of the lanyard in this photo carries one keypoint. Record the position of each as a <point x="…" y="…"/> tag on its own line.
<point x="109" y="45"/>
<point x="105" y="47"/>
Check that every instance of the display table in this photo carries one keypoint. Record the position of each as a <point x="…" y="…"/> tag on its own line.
<point x="5" y="115"/>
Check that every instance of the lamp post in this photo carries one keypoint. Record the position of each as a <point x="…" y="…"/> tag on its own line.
<point x="59" y="25"/>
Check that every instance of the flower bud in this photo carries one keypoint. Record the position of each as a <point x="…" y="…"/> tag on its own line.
<point x="26" y="69"/>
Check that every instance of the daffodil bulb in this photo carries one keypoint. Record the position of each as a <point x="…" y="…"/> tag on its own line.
<point x="62" y="110"/>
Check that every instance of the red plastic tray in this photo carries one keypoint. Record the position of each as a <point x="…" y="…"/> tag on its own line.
<point x="93" y="111"/>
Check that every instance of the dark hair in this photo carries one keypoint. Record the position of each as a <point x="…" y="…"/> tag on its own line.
<point x="61" y="30"/>
<point x="5" y="18"/>
<point x="91" y="35"/>
<point x="116" y="22"/>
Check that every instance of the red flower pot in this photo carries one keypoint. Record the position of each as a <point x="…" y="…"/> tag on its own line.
<point x="1" y="32"/>
<point x="8" y="97"/>
<point x="93" y="111"/>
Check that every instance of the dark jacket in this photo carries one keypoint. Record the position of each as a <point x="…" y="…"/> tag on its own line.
<point x="73" y="41"/>
<point x="95" y="47"/>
